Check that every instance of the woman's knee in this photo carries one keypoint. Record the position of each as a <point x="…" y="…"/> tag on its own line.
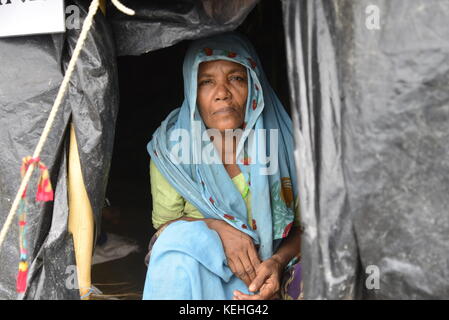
<point x="193" y="238"/>
<point x="184" y="232"/>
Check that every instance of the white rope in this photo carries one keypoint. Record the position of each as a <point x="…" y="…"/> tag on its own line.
<point x="122" y="8"/>
<point x="93" y="8"/>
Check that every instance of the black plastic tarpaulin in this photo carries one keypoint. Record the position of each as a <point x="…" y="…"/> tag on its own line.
<point x="369" y="85"/>
<point x="159" y="23"/>
<point x="31" y="72"/>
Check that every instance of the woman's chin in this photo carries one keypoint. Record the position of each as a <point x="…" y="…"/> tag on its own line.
<point x="227" y="123"/>
<point x="224" y="127"/>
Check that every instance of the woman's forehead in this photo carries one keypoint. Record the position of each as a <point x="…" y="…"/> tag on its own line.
<point x="210" y="67"/>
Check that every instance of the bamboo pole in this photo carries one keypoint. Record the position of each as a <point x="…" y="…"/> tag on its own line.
<point x="81" y="222"/>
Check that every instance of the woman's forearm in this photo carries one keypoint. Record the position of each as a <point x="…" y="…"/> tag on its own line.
<point x="290" y="247"/>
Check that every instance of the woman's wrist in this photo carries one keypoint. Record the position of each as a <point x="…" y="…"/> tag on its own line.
<point x="290" y="248"/>
<point x="281" y="260"/>
<point x="213" y="224"/>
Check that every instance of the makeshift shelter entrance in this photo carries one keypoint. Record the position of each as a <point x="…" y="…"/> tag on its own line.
<point x="370" y="107"/>
<point x="79" y="149"/>
<point x="151" y="85"/>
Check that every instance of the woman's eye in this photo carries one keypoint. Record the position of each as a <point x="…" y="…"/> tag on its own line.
<point x="205" y="82"/>
<point x="238" y="78"/>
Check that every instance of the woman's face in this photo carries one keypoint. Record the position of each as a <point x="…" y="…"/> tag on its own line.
<point x="222" y="94"/>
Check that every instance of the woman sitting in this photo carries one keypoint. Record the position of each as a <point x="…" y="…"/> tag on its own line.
<point x="223" y="182"/>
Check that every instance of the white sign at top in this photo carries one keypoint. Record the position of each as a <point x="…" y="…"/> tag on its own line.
<point x="24" y="17"/>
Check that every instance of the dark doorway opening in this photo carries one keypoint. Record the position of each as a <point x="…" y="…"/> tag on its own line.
<point x="151" y="86"/>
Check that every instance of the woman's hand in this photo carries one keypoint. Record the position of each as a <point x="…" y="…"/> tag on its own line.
<point x="239" y="250"/>
<point x="269" y="272"/>
<point x="266" y="282"/>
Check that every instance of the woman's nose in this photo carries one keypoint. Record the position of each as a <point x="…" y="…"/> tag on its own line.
<point x="223" y="92"/>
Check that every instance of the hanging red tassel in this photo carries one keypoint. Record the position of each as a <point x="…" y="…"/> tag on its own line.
<point x="44" y="189"/>
<point x="22" y="277"/>
<point x="44" y="193"/>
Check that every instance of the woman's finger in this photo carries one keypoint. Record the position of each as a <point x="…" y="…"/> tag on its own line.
<point x="238" y="295"/>
<point x="232" y="266"/>
<point x="254" y="257"/>
<point x="241" y="296"/>
<point x="266" y="293"/>
<point x="241" y="273"/>
<point x="262" y="275"/>
<point x="248" y="266"/>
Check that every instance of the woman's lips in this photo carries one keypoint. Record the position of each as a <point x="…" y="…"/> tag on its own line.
<point x="224" y="110"/>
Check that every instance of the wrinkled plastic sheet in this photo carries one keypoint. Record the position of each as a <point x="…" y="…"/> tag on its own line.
<point x="31" y="72"/>
<point x="160" y="23"/>
<point x="371" y="109"/>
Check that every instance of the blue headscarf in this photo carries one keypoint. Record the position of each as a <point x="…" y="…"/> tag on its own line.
<point x="208" y="186"/>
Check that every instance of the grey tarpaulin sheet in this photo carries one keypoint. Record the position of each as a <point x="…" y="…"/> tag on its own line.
<point x="31" y="71"/>
<point x="372" y="116"/>
<point x="161" y="23"/>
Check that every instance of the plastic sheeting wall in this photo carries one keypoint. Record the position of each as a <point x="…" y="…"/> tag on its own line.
<point x="159" y="24"/>
<point x="371" y="108"/>
<point x="31" y="72"/>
